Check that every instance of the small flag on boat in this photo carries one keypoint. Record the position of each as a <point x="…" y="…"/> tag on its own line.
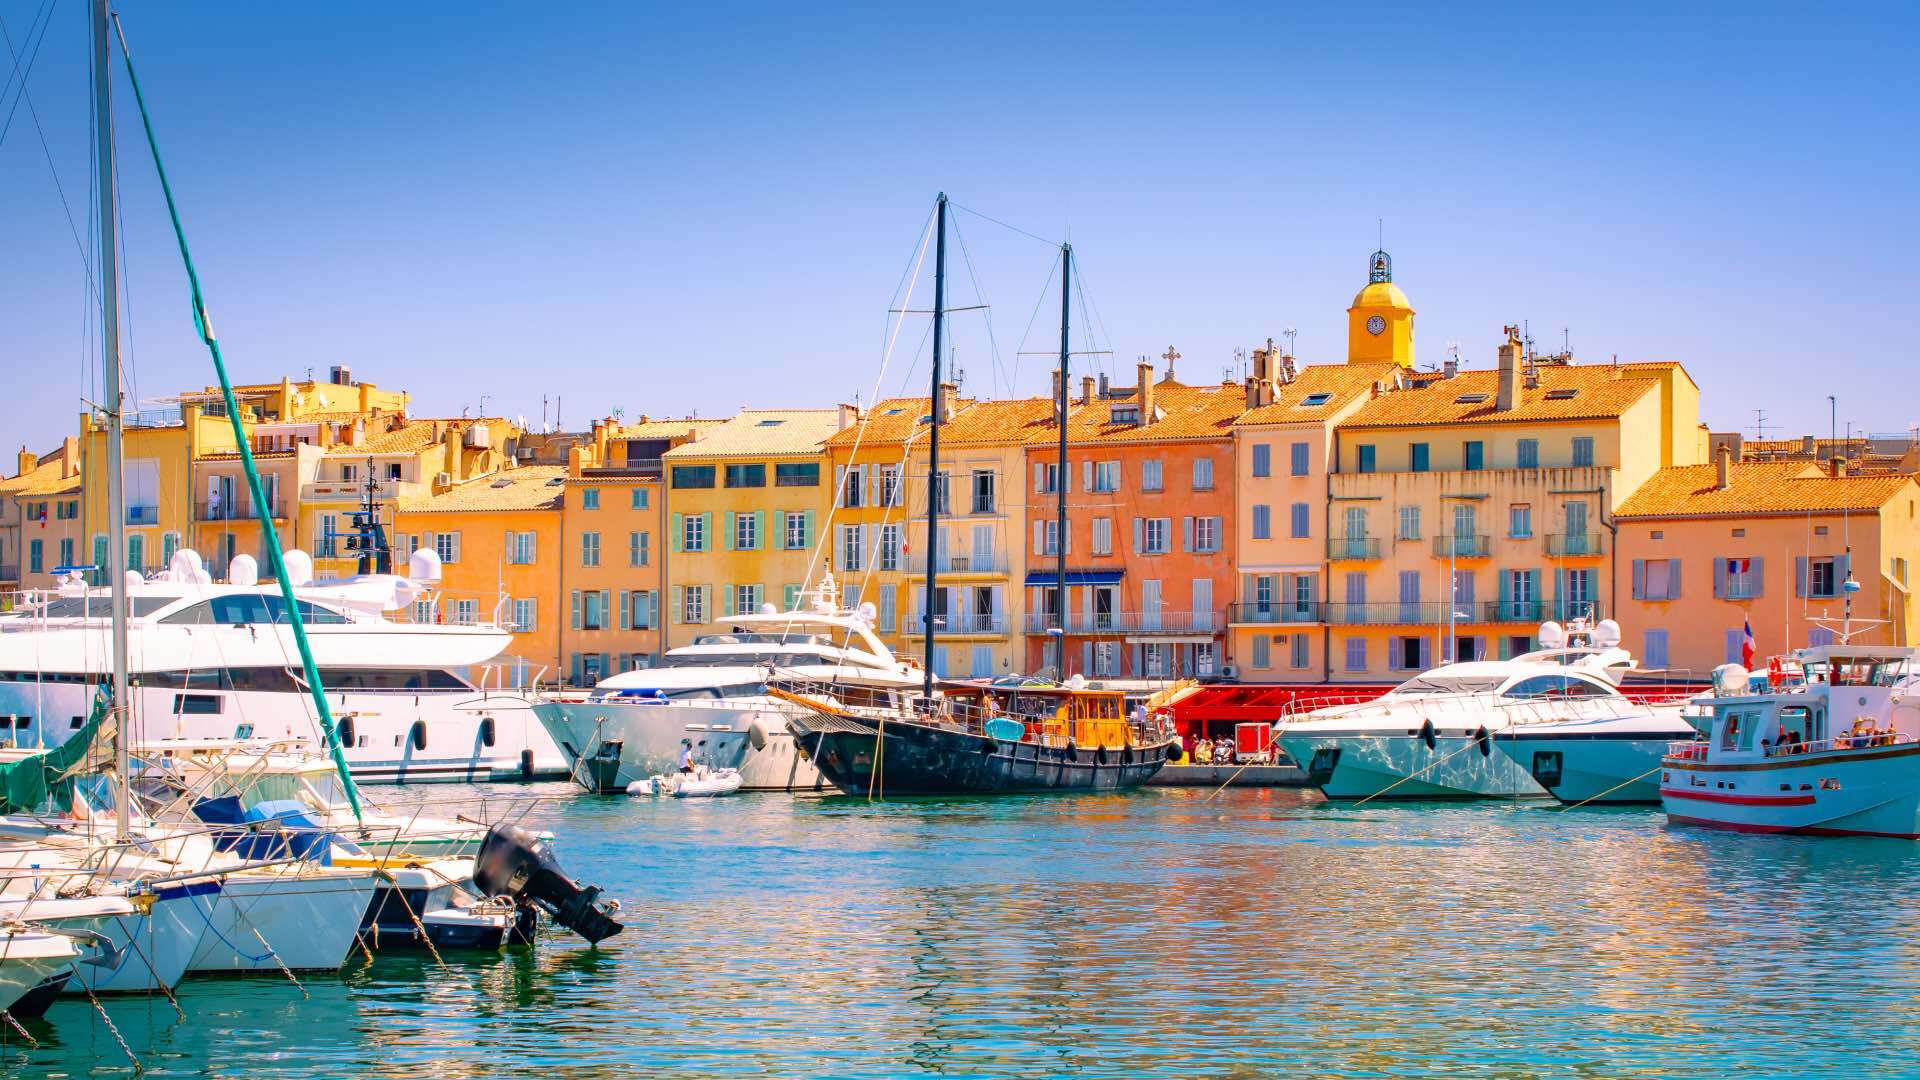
<point x="1746" y="644"/>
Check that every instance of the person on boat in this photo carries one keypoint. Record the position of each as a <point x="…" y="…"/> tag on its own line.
<point x="686" y="756"/>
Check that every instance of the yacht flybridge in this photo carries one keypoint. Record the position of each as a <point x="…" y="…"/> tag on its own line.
<point x="217" y="660"/>
<point x="1438" y="735"/>
<point x="710" y="698"/>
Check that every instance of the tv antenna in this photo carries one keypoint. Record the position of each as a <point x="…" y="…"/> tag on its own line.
<point x="1759" y="425"/>
<point x="1290" y="333"/>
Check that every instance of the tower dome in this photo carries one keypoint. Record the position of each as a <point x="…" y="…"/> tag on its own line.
<point x="1380" y="322"/>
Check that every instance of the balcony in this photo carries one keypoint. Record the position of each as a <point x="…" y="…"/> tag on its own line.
<point x="1461" y="546"/>
<point x="955" y="623"/>
<point x="229" y="510"/>
<point x="9" y="572"/>
<point x="347" y="490"/>
<point x="1273" y="614"/>
<point x="143" y="515"/>
<point x="641" y="468"/>
<point x="1128" y="622"/>
<point x="959" y="564"/>
<point x="1353" y="548"/>
<point x="1574" y="546"/>
<point x="1434" y="613"/>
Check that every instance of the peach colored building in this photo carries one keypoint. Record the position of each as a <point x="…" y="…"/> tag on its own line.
<point x="1150" y="537"/>
<point x="1707" y="550"/>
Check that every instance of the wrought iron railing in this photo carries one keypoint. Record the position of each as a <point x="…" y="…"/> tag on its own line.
<point x="1353" y="548"/>
<point x="1574" y="545"/>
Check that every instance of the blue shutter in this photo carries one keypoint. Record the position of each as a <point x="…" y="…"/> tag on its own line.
<point x="1673" y="583"/>
<point x="1719" y="578"/>
<point x="1759" y="576"/>
<point x="1639" y="579"/>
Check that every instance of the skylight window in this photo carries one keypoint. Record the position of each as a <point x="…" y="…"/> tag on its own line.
<point x="895" y="411"/>
<point x="556" y="481"/>
<point x="771" y="423"/>
<point x="1470" y="399"/>
<point x="1125" y="414"/>
<point x="1311" y="400"/>
<point x="1562" y="394"/>
<point x="502" y="482"/>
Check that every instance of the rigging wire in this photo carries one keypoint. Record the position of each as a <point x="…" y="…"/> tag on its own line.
<point x="47" y="152"/>
<point x="1045" y="287"/>
<point x="993" y="347"/>
<point x="1004" y="225"/>
<point x="32" y="58"/>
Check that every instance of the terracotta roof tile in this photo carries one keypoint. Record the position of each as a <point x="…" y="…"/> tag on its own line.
<point x="1597" y="392"/>
<point x="664" y="428"/>
<point x="409" y="438"/>
<point x="1772" y="487"/>
<point x="890" y="422"/>
<point x="1183" y="412"/>
<point x="1340" y="382"/>
<point x="530" y="487"/>
<point x="43" y="479"/>
<point x="763" y="433"/>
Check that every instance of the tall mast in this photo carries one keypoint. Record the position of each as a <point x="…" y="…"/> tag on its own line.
<point x="933" y="434"/>
<point x="110" y="369"/>
<point x="1060" y="484"/>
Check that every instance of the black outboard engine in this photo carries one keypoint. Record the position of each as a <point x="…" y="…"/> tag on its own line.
<point x="516" y="862"/>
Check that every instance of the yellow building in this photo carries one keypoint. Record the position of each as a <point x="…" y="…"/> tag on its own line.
<point x="1471" y="505"/>
<point x="1707" y="550"/>
<point x="40" y="525"/>
<point x="1283" y="453"/>
<point x="745" y="499"/>
<point x="615" y="532"/>
<point x="1380" y="321"/>
<point x="158" y="450"/>
<point x="499" y="538"/>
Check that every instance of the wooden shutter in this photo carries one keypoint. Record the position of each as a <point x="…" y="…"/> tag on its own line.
<point x="1759" y="576"/>
<point x="1186" y="534"/>
<point x="1673" y="579"/>
<point x="679" y="527"/>
<point x="576" y="609"/>
<point x="1639" y="579"/>
<point x="726" y="541"/>
<point x="1719" y="578"/>
<point x="626" y="610"/>
<point x="1139" y="534"/>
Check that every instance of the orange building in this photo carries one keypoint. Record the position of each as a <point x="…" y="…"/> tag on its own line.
<point x="1150" y="531"/>
<point x="1714" y="548"/>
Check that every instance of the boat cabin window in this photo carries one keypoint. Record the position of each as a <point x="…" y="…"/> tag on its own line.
<point x="1861" y="671"/>
<point x="246" y="609"/>
<point x="1448" y="684"/>
<point x="1796" y="726"/>
<point x="742" y="659"/>
<point x="1736" y="731"/>
<point x="689" y="693"/>
<point x="760" y="639"/>
<point x="80" y="607"/>
<point x="1556" y="686"/>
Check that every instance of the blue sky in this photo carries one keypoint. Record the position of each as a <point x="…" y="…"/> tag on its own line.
<point x="666" y="209"/>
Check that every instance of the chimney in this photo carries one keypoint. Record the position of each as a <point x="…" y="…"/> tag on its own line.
<point x="1055" y="395"/>
<point x="28" y="461"/>
<point x="1509" y="394"/>
<point x="1723" y="468"/>
<point x="1145" y="371"/>
<point x="1104" y="391"/>
<point x="70" y="456"/>
<point x="1839" y="467"/>
<point x="949" y="402"/>
<point x="1806" y="445"/>
<point x="849" y="415"/>
<point x="1263" y="361"/>
<point x="1450" y="368"/>
<point x="1086" y="389"/>
<point x="341" y="375"/>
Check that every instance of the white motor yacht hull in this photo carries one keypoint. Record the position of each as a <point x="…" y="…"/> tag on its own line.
<point x="1585" y="769"/>
<point x="1869" y="792"/>
<point x="1403" y="767"/>
<point x="609" y="745"/>
<point x="305" y="921"/>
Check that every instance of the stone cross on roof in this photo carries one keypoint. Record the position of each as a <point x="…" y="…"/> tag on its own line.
<point x="1170" y="356"/>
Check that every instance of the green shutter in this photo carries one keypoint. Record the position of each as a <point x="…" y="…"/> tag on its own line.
<point x="679" y="531"/>
<point x="676" y="604"/>
<point x="726" y="542"/>
<point x="806" y="532"/>
<point x="760" y="531"/>
<point x="789" y="597"/>
<point x="726" y="605"/>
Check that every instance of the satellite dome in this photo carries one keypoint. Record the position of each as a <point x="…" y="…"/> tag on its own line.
<point x="299" y="568"/>
<point x="243" y="571"/>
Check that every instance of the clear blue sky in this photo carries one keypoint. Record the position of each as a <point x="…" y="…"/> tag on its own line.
<point x="670" y="209"/>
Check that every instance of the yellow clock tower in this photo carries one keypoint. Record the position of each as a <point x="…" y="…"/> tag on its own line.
<point x="1380" y="322"/>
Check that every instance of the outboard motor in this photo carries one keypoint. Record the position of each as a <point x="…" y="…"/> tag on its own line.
<point x="516" y="862"/>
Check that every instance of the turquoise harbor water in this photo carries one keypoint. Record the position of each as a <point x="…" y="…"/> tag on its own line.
<point x="1148" y="934"/>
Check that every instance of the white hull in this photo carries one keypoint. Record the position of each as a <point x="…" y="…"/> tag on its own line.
<point x="27" y="958"/>
<point x="383" y="749"/>
<point x="305" y="921"/>
<point x="1402" y="767"/>
<point x="152" y="951"/>
<point x="611" y="744"/>
<point x="1612" y="770"/>
<point x="1873" y="792"/>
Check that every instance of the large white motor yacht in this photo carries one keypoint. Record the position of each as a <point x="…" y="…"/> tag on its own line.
<point x="218" y="661"/>
<point x="1436" y="735"/>
<point x="711" y="696"/>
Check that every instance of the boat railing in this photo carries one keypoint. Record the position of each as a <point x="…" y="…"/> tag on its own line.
<point x="1872" y="740"/>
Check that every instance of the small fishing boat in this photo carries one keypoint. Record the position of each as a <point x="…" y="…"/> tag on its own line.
<point x="1830" y="746"/>
<point x="701" y="783"/>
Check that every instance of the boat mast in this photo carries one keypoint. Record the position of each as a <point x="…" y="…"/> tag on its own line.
<point x="110" y="369"/>
<point x="1060" y="481"/>
<point x="933" y="435"/>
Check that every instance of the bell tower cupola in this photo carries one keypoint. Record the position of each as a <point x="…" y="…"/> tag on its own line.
<point x="1380" y="322"/>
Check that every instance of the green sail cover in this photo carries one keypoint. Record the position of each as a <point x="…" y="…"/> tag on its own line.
<point x="45" y="780"/>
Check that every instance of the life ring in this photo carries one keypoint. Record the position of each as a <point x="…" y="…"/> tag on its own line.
<point x="1426" y="733"/>
<point x="1485" y="740"/>
<point x="1776" y="672"/>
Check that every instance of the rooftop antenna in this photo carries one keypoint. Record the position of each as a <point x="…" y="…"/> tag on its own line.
<point x="1566" y="341"/>
<point x="1759" y="424"/>
<point x="1290" y="333"/>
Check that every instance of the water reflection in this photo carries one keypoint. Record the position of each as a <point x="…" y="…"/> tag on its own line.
<point x="1158" y="933"/>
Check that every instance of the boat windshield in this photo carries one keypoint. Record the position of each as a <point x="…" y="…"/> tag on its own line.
<point x="778" y="657"/>
<point x="760" y="639"/>
<point x="97" y="607"/>
<point x="1430" y="683"/>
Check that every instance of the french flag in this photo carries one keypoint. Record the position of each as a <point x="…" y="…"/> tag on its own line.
<point x="1746" y="644"/>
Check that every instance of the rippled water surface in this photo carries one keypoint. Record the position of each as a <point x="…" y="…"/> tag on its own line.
<point x="1150" y="934"/>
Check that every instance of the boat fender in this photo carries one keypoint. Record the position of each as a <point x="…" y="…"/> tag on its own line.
<point x="1073" y="750"/>
<point x="1100" y="754"/>
<point x="989" y="747"/>
<point x="1173" y="751"/>
<point x="1485" y="740"/>
<point x="419" y="734"/>
<point x="757" y="734"/>
<point x="1426" y="733"/>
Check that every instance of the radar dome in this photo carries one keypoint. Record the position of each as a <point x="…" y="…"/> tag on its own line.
<point x="1607" y="634"/>
<point x="243" y="571"/>
<point x="1077" y="682"/>
<point x="1552" y="635"/>
<point x="424" y="565"/>
<point x="299" y="568"/>
<point x="134" y="580"/>
<point x="1730" y="679"/>
<point x="868" y="612"/>
<point x="185" y="564"/>
<point x="768" y="609"/>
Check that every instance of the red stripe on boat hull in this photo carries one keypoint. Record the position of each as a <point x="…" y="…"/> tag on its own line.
<point x="1743" y="827"/>
<point x="1738" y="800"/>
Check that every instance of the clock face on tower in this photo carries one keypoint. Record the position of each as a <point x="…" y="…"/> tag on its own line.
<point x="1376" y="325"/>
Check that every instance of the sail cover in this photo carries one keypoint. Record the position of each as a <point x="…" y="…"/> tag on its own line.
<point x="45" y="780"/>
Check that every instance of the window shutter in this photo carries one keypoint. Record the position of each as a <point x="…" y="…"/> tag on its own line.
<point x="839" y="485"/>
<point x="606" y="601"/>
<point x="576" y="609"/>
<point x="454" y="551"/>
<point x="677" y="600"/>
<point x="1186" y="534"/>
<point x="626" y="610"/>
<point x="679" y="531"/>
<point x="760" y="531"/>
<point x="706" y="531"/>
<point x="726" y="541"/>
<point x="1039" y="477"/>
<point x="789" y="597"/>
<point x="1759" y="577"/>
<point x="1639" y="579"/>
<point x="1039" y="538"/>
<point x="1086" y="475"/>
<point x="806" y="530"/>
<point x="1086" y="658"/>
<point x="726" y="601"/>
<point x="1719" y="578"/>
<point x="1673" y="579"/>
<point x="1842" y="570"/>
<point x="1800" y="575"/>
<point x="1426" y="654"/>
<point x="1086" y="609"/>
<point x="1139" y="535"/>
